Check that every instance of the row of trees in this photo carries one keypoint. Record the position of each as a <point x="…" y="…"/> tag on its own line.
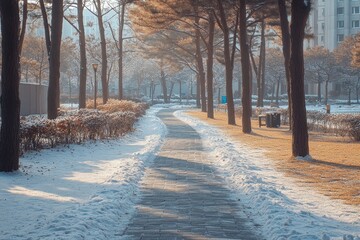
<point x="186" y="33"/>
<point x="13" y="37"/>
<point x="191" y="34"/>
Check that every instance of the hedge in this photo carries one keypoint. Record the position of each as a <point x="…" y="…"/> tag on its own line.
<point x="76" y="126"/>
<point x="339" y="124"/>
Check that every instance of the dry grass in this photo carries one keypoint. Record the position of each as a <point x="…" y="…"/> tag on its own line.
<point x="335" y="171"/>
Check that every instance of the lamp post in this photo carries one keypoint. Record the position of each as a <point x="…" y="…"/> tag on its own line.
<point x="95" y="66"/>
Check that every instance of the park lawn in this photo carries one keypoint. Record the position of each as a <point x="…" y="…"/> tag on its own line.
<point x="334" y="171"/>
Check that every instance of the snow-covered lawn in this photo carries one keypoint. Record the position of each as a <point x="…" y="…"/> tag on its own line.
<point x="335" y="108"/>
<point x="89" y="191"/>
<point x="83" y="191"/>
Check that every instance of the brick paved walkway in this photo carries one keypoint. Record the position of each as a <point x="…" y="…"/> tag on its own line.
<point x="183" y="198"/>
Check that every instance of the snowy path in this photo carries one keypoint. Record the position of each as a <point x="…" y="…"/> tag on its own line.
<point x="90" y="191"/>
<point x="183" y="195"/>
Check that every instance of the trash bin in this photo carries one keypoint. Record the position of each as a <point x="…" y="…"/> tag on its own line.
<point x="273" y="120"/>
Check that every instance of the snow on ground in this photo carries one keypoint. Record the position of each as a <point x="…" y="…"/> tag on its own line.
<point x="334" y="108"/>
<point x="283" y="209"/>
<point x="79" y="191"/>
<point x="90" y="190"/>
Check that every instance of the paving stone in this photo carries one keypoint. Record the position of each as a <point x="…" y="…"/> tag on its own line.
<point x="183" y="197"/>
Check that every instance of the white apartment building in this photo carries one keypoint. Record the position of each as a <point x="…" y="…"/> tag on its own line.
<point x="333" y="20"/>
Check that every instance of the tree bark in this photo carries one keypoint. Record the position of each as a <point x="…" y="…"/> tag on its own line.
<point x="285" y="36"/>
<point x="277" y="91"/>
<point x="199" y="61"/>
<point x="180" y="91"/>
<point x="228" y="66"/>
<point x="210" y="63"/>
<point x="198" y="102"/>
<point x="54" y="65"/>
<point x="245" y="66"/>
<point x="83" y="60"/>
<point x="319" y="91"/>
<point x="263" y="59"/>
<point x="23" y="25"/>
<point x="357" y="89"/>
<point x="120" y="49"/>
<point x="299" y="14"/>
<point x="326" y="90"/>
<point x="104" y="62"/>
<point x="261" y="72"/>
<point x="10" y="102"/>
<point x="163" y="85"/>
<point x="171" y="90"/>
<point x="46" y="27"/>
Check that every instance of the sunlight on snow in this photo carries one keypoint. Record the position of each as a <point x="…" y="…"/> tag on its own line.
<point x="99" y="172"/>
<point x="40" y="194"/>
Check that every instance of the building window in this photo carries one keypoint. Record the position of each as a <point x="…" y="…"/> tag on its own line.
<point x="340" y="37"/>
<point x="355" y="23"/>
<point x="340" y="24"/>
<point x="323" y="12"/>
<point x="323" y="26"/>
<point x="355" y="10"/>
<point x="322" y="39"/>
<point x="340" y="10"/>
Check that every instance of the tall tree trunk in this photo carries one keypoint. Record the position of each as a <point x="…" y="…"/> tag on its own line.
<point x="104" y="62"/>
<point x="198" y="102"/>
<point x="23" y="25"/>
<point x="260" y="72"/>
<point x="357" y="89"/>
<point x="120" y="49"/>
<point x="285" y="37"/>
<point x="46" y="27"/>
<point x="319" y="91"/>
<point x="10" y="79"/>
<point x="277" y="91"/>
<point x="83" y="61"/>
<point x="299" y="14"/>
<point x="263" y="59"/>
<point x="180" y="91"/>
<point x="199" y="61"/>
<point x="171" y="90"/>
<point x="163" y="84"/>
<point x="245" y="66"/>
<point x="228" y="66"/>
<point x="210" y="63"/>
<point x="54" y="65"/>
<point x="326" y="90"/>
